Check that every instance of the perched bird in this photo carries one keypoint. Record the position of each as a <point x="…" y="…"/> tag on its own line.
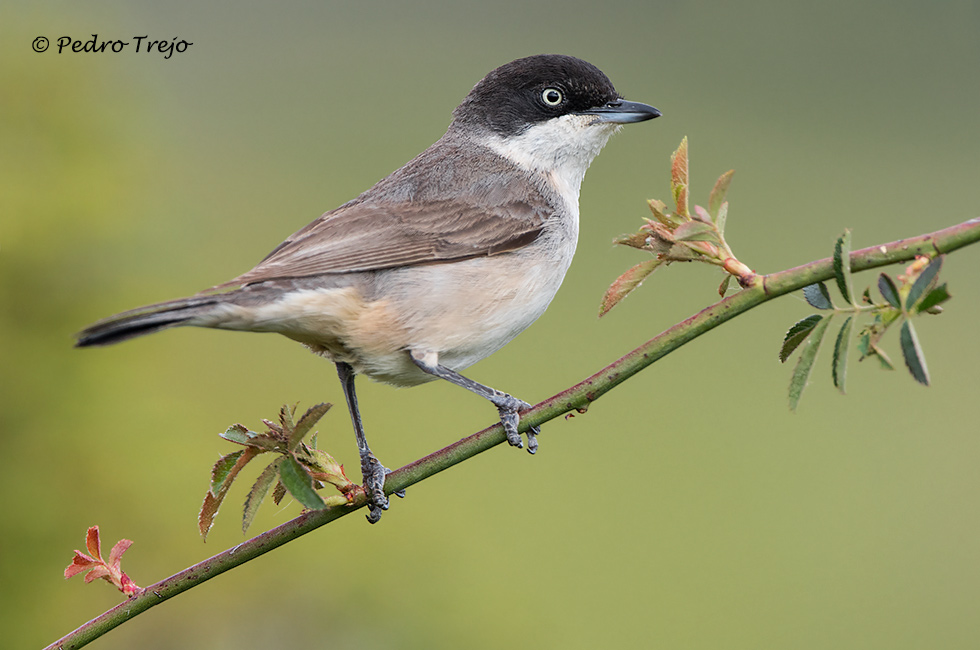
<point x="441" y="263"/>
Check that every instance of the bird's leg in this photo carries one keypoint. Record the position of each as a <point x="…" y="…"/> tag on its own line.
<point x="507" y="405"/>
<point x="372" y="471"/>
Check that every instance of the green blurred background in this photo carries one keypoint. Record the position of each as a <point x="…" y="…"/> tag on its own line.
<point x="687" y="509"/>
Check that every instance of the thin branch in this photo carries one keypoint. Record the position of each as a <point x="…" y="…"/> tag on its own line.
<point x="578" y="397"/>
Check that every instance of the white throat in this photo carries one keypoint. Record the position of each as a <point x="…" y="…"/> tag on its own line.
<point x="561" y="148"/>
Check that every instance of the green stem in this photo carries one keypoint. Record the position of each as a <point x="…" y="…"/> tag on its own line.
<point x="578" y="397"/>
<point x="861" y="309"/>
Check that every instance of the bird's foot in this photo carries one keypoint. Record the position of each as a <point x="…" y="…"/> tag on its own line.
<point x="508" y="407"/>
<point x="374" y="473"/>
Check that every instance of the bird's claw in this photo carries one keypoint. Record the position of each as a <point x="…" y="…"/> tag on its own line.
<point x="510" y="418"/>
<point x="374" y="473"/>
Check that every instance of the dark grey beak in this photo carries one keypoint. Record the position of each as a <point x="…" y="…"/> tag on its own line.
<point x="620" y="111"/>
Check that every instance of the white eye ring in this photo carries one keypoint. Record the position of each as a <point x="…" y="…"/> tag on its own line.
<point x="552" y="96"/>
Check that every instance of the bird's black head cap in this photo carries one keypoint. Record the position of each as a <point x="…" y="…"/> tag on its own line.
<point x="534" y="89"/>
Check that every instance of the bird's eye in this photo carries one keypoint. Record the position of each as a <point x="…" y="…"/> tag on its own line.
<point x="552" y="96"/>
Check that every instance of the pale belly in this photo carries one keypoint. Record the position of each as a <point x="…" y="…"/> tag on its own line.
<point x="461" y="312"/>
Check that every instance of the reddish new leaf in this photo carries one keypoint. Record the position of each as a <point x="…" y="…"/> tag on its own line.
<point x="110" y="571"/>
<point x="115" y="555"/>
<point x="92" y="543"/>
<point x="696" y="231"/>
<point x="679" y="178"/>
<point x="205" y="518"/>
<point x="719" y="191"/>
<point x="79" y="564"/>
<point x="99" y="571"/>
<point x="625" y="283"/>
<point x="702" y="215"/>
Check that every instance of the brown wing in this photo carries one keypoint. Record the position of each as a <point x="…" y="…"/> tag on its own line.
<point x="364" y="236"/>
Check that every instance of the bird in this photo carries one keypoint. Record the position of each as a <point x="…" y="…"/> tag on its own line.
<point x="439" y="264"/>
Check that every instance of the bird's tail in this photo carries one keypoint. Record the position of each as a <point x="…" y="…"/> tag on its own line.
<point x="146" y="320"/>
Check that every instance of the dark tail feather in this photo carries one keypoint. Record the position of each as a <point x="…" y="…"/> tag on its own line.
<point x="144" y="320"/>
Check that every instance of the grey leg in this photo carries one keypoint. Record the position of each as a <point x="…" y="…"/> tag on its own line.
<point x="372" y="471"/>
<point x="507" y="405"/>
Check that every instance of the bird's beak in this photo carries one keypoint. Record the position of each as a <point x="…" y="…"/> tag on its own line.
<point x="621" y="111"/>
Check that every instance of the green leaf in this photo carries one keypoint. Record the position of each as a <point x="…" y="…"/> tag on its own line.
<point x="818" y="296"/>
<point x="867" y="345"/>
<point x="661" y="214"/>
<point x="797" y="334"/>
<point x="265" y="442"/>
<point x="889" y="291"/>
<point x="801" y="374"/>
<point x="223" y="472"/>
<point x="306" y="423"/>
<point x="912" y="351"/>
<point x="722" y="218"/>
<point x="886" y="363"/>
<point x="933" y="299"/>
<point x="222" y="475"/>
<point x="238" y="434"/>
<point x="718" y="192"/>
<point x="840" y="354"/>
<point x="842" y="265"/>
<point x="924" y="282"/>
<point x="696" y="231"/>
<point x="864" y="344"/>
<point x="261" y="441"/>
<point x="723" y="287"/>
<point x="625" y="284"/>
<point x="324" y="467"/>
<point x="258" y="492"/>
<point x="295" y="479"/>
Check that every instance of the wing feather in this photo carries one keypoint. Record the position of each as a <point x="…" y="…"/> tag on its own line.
<point x="368" y="237"/>
<point x="429" y="211"/>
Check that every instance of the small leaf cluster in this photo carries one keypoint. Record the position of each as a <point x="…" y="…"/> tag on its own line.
<point x="299" y="470"/>
<point x="917" y="292"/>
<point x="109" y="570"/>
<point x="684" y="235"/>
